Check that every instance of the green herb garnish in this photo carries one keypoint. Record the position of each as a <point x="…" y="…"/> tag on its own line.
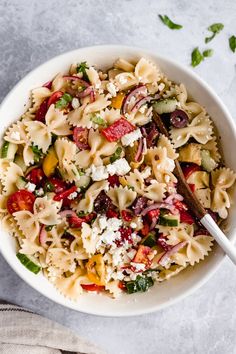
<point x="98" y="120"/>
<point x="49" y="187"/>
<point x="130" y="187"/>
<point x="141" y="284"/>
<point x="38" y="154"/>
<point x="232" y="43"/>
<point x="81" y="171"/>
<point x="165" y="19"/>
<point x="215" y="29"/>
<point x="208" y="53"/>
<point x="64" y="101"/>
<point x="197" y="57"/>
<point x="49" y="227"/>
<point x="116" y="155"/>
<point x="81" y="68"/>
<point x="4" y="149"/>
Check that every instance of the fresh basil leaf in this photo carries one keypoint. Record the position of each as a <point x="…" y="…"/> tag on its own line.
<point x="208" y="53"/>
<point x="63" y="101"/>
<point x="232" y="43"/>
<point x="98" y="120"/>
<point x="141" y="284"/>
<point x="197" y="57"/>
<point x="81" y="68"/>
<point x="215" y="29"/>
<point x="116" y="155"/>
<point x="167" y="21"/>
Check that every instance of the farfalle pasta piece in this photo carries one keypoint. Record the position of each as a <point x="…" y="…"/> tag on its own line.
<point x="58" y="83"/>
<point x="66" y="153"/>
<point x="86" y="204"/>
<point x="61" y="259"/>
<point x="140" y="118"/>
<point x="70" y="286"/>
<point x="45" y="212"/>
<point x="113" y="288"/>
<point x="122" y="197"/>
<point x="124" y="65"/>
<point x="222" y="179"/>
<point x="193" y="108"/>
<point x="38" y="95"/>
<point x="166" y="274"/>
<point x="124" y="81"/>
<point x="99" y="147"/>
<point x="197" y="247"/>
<point x="163" y="141"/>
<point x="93" y="77"/>
<point x="30" y="247"/>
<point x="162" y="165"/>
<point x="146" y="72"/>
<point x="200" y="129"/>
<point x="211" y="146"/>
<point x="10" y="178"/>
<point x="89" y="238"/>
<point x="55" y="123"/>
<point x="78" y="249"/>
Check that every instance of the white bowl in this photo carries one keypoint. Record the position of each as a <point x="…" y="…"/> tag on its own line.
<point x="163" y="294"/>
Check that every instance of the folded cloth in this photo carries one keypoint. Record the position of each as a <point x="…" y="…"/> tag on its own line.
<point x="24" y="332"/>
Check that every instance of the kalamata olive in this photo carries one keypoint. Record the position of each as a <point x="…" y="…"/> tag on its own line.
<point x="179" y="119"/>
<point x="102" y="202"/>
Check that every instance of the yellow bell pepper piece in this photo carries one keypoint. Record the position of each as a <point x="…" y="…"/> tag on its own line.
<point x="50" y="162"/>
<point x="116" y="102"/>
<point x="96" y="269"/>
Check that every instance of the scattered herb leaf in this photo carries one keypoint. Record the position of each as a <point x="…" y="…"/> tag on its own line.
<point x="38" y="154"/>
<point x="63" y="101"/>
<point x="48" y="187"/>
<point x="208" y="53"/>
<point x="49" y="227"/>
<point x="98" y="120"/>
<point x="232" y="43"/>
<point x="215" y="29"/>
<point x="81" y="68"/>
<point x="197" y="57"/>
<point x="141" y="284"/>
<point x="116" y="155"/>
<point x="167" y="21"/>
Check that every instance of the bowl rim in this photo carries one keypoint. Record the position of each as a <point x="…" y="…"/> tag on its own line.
<point x="230" y="121"/>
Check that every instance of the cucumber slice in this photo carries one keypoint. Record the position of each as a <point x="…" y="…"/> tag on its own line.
<point x="149" y="240"/>
<point x="8" y="150"/>
<point x="169" y="220"/>
<point x="165" y="106"/>
<point x="83" y="182"/>
<point x="21" y="183"/>
<point x="28" y="263"/>
<point x="208" y="163"/>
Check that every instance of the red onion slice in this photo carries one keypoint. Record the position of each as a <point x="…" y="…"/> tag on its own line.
<point x="81" y="81"/>
<point x="138" y="92"/>
<point x="170" y="198"/>
<point x="92" y="96"/>
<point x="138" y="154"/>
<point x="160" y="206"/>
<point x="68" y="213"/>
<point x="140" y="103"/>
<point x="48" y="85"/>
<point x="166" y="256"/>
<point x="84" y="93"/>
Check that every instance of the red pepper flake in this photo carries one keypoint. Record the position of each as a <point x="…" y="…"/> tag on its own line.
<point x="118" y="129"/>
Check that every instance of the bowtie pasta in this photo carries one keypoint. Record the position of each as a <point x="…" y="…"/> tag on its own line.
<point x="88" y="185"/>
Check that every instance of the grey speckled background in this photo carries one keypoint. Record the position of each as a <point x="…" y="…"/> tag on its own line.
<point x="32" y="32"/>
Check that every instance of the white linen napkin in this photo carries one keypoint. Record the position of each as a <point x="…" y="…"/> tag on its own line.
<point x="24" y="332"/>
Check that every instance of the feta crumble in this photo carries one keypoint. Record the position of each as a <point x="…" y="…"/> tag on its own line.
<point x="99" y="173"/>
<point x="75" y="103"/>
<point x="30" y="187"/>
<point x="119" y="167"/>
<point x="129" y="139"/>
<point x="111" y="89"/>
<point x="72" y="196"/>
<point x="15" y="136"/>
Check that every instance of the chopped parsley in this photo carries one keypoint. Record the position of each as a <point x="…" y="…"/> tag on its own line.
<point x="116" y="155"/>
<point x="141" y="284"/>
<point x="167" y="21"/>
<point x="38" y="154"/>
<point x="215" y="29"/>
<point x="98" y="120"/>
<point x="232" y="43"/>
<point x="49" y="187"/>
<point x="81" y="68"/>
<point x="208" y="53"/>
<point x="64" y="101"/>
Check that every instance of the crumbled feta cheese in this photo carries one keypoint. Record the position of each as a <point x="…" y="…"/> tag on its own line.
<point x="129" y="139"/>
<point x="131" y="253"/>
<point x="102" y="221"/>
<point x="143" y="108"/>
<point x="30" y="187"/>
<point x="15" y="136"/>
<point x="72" y="196"/>
<point x="111" y="89"/>
<point x="40" y="192"/>
<point x="114" y="224"/>
<point x="99" y="173"/>
<point x="133" y="225"/>
<point x="109" y="236"/>
<point x="161" y="86"/>
<point x="75" y="103"/>
<point x="119" y="167"/>
<point x="138" y="266"/>
<point x="146" y="172"/>
<point x="122" y="80"/>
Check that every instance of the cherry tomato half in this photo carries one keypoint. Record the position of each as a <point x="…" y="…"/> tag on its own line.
<point x="93" y="287"/>
<point x="35" y="176"/>
<point x="80" y="137"/>
<point x="55" y="97"/>
<point x="20" y="200"/>
<point x="58" y="185"/>
<point x="41" y="112"/>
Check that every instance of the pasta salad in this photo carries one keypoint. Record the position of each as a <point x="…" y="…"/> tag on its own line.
<point x="88" y="186"/>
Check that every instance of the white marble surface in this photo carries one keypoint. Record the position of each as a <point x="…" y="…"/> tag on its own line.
<point x="33" y="31"/>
